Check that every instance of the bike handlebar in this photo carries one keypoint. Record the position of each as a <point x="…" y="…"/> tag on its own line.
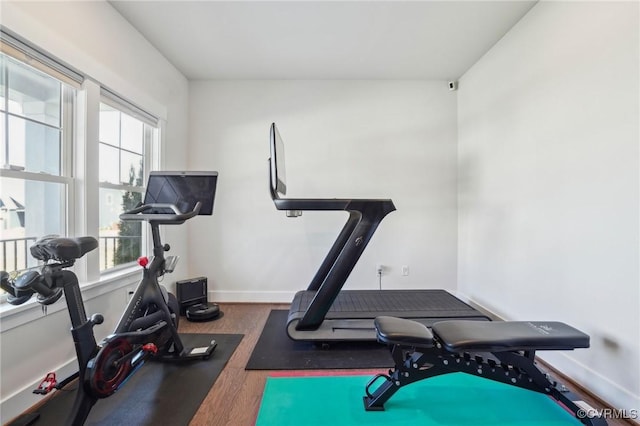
<point x="24" y="286"/>
<point x="159" y="216"/>
<point x="16" y="296"/>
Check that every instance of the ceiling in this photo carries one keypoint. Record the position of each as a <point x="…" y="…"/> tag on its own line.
<point x="434" y="40"/>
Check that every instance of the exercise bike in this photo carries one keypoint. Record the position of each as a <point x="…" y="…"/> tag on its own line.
<point x="147" y="328"/>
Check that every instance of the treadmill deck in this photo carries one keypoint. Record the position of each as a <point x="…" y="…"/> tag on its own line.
<point x="352" y="313"/>
<point x="396" y="303"/>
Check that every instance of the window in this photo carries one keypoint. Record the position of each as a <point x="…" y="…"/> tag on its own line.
<point x="36" y="131"/>
<point x="125" y="143"/>
<point x="48" y="110"/>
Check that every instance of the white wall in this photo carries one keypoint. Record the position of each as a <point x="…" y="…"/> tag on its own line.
<point x="377" y="139"/>
<point x="549" y="186"/>
<point x="548" y="180"/>
<point x="94" y="38"/>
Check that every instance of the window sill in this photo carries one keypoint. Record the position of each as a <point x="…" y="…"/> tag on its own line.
<point x="14" y="316"/>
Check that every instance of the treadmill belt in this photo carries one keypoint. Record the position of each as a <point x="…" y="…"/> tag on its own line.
<point x="402" y="303"/>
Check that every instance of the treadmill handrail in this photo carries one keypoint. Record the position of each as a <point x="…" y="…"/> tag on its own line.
<point x="315" y="204"/>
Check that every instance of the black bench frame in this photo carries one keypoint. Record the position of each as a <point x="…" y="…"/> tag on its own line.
<point x="421" y="360"/>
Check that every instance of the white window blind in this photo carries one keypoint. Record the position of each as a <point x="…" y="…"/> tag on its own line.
<point x="112" y="99"/>
<point x="13" y="45"/>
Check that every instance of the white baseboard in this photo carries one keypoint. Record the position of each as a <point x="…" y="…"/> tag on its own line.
<point x="593" y="381"/>
<point x="250" y="296"/>
<point x="599" y="385"/>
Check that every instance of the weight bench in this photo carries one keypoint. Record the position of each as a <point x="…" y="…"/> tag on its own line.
<point x="502" y="351"/>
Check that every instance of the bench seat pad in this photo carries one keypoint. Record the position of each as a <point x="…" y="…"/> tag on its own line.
<point x="404" y="332"/>
<point x="500" y="336"/>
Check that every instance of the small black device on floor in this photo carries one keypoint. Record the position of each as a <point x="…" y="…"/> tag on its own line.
<point x="192" y="297"/>
<point x="203" y="312"/>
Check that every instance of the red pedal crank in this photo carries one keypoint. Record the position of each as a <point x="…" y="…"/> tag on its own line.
<point x="150" y="347"/>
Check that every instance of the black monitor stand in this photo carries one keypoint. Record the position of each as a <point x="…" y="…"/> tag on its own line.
<point x="324" y="312"/>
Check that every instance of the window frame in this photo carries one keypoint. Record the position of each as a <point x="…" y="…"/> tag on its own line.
<point x="80" y="156"/>
<point x="150" y="137"/>
<point x="67" y="128"/>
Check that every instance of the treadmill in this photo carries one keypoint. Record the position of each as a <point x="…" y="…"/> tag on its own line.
<point x="326" y="313"/>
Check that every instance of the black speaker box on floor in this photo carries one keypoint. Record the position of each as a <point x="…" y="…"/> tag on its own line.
<point x="192" y="297"/>
<point x="191" y="292"/>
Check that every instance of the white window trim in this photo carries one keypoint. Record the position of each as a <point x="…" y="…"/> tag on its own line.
<point x="40" y="177"/>
<point x="67" y="123"/>
<point x="80" y="175"/>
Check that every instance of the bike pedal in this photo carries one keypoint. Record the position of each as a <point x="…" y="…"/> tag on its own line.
<point x="46" y="385"/>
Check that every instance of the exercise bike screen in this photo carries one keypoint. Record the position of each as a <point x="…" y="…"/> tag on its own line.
<point x="183" y="189"/>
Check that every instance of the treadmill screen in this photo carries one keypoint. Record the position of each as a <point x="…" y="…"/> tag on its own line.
<point x="183" y="189"/>
<point x="278" y="180"/>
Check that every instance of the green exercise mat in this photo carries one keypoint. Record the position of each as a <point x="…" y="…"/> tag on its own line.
<point x="452" y="399"/>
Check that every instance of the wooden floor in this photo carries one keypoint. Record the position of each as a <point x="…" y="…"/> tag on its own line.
<point x="235" y="397"/>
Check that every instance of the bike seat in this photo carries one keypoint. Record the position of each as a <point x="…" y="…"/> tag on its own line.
<point x="53" y="247"/>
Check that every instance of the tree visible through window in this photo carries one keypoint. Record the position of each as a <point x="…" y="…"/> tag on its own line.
<point x="130" y="245"/>
<point x="124" y="140"/>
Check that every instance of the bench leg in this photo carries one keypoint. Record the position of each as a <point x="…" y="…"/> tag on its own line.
<point x="375" y="401"/>
<point x="512" y="368"/>
<point x="406" y="371"/>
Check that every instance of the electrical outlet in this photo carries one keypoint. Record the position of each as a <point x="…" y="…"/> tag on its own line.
<point x="405" y="270"/>
<point x="379" y="269"/>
